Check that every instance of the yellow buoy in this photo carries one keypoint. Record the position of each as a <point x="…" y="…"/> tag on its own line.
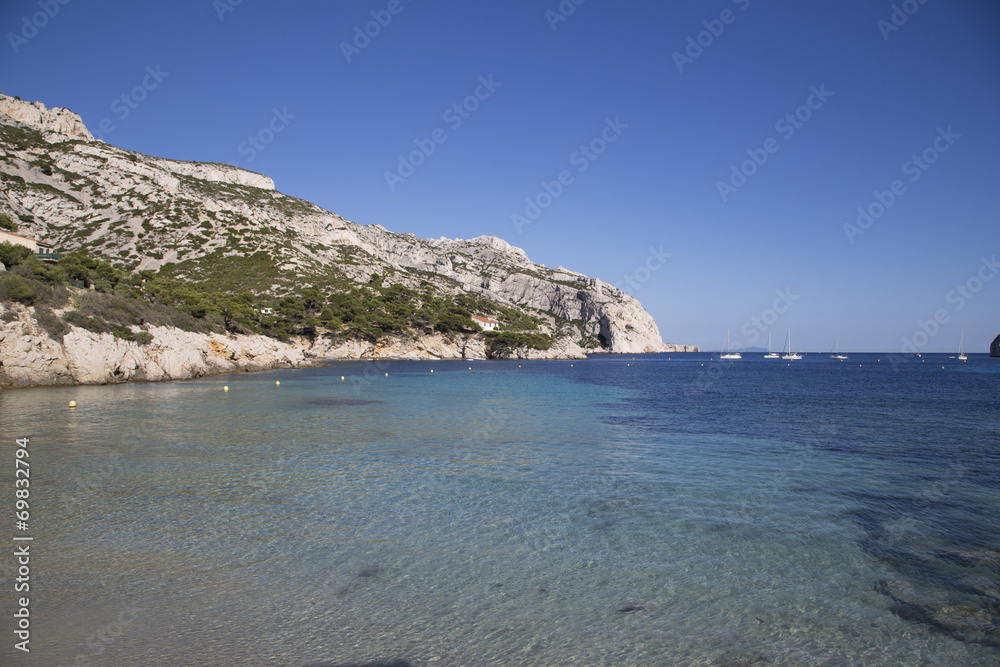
<point x="277" y="383"/>
<point x="225" y="388"/>
<point x="72" y="404"/>
<point x="387" y="375"/>
<point x="470" y="368"/>
<point x="341" y="377"/>
<point x="432" y="370"/>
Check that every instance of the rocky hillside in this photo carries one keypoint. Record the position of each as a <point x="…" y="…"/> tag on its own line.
<point x="228" y="227"/>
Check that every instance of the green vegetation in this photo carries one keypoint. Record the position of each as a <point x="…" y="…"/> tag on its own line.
<point x="118" y="300"/>
<point x="6" y="223"/>
<point x="21" y="138"/>
<point x="502" y="343"/>
<point x="12" y="254"/>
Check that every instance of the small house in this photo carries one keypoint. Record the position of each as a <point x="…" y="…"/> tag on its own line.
<point x="486" y="323"/>
<point x="40" y="249"/>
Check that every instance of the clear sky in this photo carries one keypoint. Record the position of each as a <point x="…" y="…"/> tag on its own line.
<point x="682" y="110"/>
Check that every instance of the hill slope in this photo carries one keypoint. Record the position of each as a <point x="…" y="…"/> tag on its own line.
<point x="227" y="227"/>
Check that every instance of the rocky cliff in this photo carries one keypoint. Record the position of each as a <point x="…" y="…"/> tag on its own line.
<point x="198" y="220"/>
<point x="30" y="357"/>
<point x="54" y="124"/>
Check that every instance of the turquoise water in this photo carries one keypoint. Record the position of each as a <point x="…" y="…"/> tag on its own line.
<point x="661" y="510"/>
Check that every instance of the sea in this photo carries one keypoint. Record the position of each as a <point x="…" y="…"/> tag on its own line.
<point x="668" y="509"/>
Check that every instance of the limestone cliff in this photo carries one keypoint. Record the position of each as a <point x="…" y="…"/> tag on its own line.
<point x="55" y="124"/>
<point x="148" y="213"/>
<point x="30" y="357"/>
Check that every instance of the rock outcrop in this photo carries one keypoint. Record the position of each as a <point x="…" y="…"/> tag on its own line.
<point x="55" y="124"/>
<point x="995" y="347"/>
<point x="148" y="212"/>
<point x="29" y="357"/>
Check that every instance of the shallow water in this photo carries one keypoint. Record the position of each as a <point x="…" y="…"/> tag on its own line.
<point x="616" y="511"/>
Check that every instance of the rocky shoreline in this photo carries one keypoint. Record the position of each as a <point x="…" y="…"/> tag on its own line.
<point x="29" y="357"/>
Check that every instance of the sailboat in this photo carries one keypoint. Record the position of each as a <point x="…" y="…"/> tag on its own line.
<point x="962" y="356"/>
<point x="727" y="354"/>
<point x="836" y="354"/>
<point x="771" y="355"/>
<point x="788" y="347"/>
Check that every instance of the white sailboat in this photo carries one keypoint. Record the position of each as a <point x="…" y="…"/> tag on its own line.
<point x="788" y="348"/>
<point x="836" y="354"/>
<point x="771" y="355"/>
<point x="962" y="356"/>
<point x="727" y="354"/>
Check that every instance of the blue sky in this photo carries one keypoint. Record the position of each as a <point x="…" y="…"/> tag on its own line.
<point x="683" y="93"/>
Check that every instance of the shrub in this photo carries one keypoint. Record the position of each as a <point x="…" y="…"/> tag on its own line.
<point x="12" y="254"/>
<point x="502" y="343"/>
<point x="20" y="290"/>
<point x="7" y="223"/>
<point x="78" y="319"/>
<point x="50" y="322"/>
<point x="35" y="269"/>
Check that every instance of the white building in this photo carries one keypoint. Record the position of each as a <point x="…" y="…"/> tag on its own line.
<point x="486" y="323"/>
<point x="40" y="249"/>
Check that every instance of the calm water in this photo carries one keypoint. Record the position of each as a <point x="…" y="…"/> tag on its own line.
<point x="660" y="510"/>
